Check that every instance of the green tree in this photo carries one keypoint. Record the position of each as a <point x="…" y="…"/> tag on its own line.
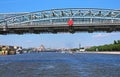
<point x="115" y="42"/>
<point x="110" y="47"/>
<point x="118" y="41"/>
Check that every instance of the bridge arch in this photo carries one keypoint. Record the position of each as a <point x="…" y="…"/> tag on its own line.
<point x="55" y="18"/>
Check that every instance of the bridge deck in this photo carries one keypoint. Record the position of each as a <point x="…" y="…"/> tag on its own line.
<point x="59" y="29"/>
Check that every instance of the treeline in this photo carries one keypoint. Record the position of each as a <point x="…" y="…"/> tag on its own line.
<point x="109" y="47"/>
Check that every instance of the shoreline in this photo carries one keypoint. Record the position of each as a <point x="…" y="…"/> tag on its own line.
<point x="102" y="52"/>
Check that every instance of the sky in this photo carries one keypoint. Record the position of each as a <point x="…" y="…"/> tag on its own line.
<point x="62" y="40"/>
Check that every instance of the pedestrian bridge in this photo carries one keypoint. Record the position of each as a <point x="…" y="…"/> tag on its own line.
<point x="55" y="21"/>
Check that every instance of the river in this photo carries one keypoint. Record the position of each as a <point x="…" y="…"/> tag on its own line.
<point x="52" y="64"/>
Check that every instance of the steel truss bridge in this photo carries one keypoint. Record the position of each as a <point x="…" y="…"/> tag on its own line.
<point x="55" y="21"/>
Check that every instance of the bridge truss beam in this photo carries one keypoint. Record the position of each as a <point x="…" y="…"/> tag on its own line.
<point x="55" y="20"/>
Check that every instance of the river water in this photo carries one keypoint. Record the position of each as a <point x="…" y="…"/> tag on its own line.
<point x="51" y="64"/>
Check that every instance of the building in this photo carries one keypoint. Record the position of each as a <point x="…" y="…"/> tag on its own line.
<point x="9" y="50"/>
<point x="40" y="49"/>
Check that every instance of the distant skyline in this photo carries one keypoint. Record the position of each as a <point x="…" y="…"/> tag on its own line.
<point x="62" y="40"/>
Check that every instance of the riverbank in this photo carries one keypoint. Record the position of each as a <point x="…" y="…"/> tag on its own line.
<point x="103" y="52"/>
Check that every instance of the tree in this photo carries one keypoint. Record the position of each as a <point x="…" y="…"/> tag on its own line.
<point x="115" y="42"/>
<point x="110" y="47"/>
<point x="118" y="41"/>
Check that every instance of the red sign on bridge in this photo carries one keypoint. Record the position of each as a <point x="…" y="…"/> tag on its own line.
<point x="70" y="22"/>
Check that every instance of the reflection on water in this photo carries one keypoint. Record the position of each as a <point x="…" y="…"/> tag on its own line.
<point x="60" y="65"/>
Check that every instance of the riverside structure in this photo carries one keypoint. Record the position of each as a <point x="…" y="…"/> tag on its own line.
<point x="10" y="50"/>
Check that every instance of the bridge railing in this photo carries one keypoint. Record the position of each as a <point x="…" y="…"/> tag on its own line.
<point x="59" y="23"/>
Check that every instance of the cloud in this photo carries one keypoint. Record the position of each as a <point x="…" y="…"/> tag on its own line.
<point x="102" y="35"/>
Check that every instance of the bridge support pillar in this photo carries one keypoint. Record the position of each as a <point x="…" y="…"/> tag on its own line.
<point x="91" y="30"/>
<point x="71" y="29"/>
